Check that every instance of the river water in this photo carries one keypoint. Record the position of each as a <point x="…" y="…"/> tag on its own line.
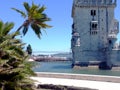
<point x="65" y="67"/>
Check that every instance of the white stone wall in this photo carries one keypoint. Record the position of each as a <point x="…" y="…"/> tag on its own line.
<point x="93" y="46"/>
<point x="115" y="57"/>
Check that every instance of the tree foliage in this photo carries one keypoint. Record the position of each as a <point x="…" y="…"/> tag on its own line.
<point x="29" y="49"/>
<point x="34" y="17"/>
<point x="14" y="68"/>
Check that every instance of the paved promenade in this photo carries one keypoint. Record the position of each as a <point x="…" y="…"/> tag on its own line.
<point x="78" y="83"/>
<point x="114" y="79"/>
<point x="89" y="81"/>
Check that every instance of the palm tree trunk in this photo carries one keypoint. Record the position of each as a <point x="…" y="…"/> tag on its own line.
<point x="19" y="28"/>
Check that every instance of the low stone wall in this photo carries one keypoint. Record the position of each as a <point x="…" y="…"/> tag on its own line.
<point x="80" y="77"/>
<point x="91" y="67"/>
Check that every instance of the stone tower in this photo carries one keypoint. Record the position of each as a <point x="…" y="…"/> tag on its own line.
<point x="94" y="32"/>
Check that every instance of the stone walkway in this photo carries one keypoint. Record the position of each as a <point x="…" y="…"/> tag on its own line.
<point x="114" y="79"/>
<point x="98" y="85"/>
<point x="79" y="80"/>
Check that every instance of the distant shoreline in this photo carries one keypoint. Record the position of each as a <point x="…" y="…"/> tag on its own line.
<point x="49" y="59"/>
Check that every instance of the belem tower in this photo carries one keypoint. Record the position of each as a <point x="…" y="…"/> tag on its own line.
<point x="94" y="33"/>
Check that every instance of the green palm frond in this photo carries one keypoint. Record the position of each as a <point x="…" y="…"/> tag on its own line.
<point x="37" y="16"/>
<point x="12" y="35"/>
<point x="36" y="29"/>
<point x="14" y="51"/>
<point x="43" y="19"/>
<point x="25" y="29"/>
<point x="1" y="26"/>
<point x="33" y="10"/>
<point x="34" y="6"/>
<point x="43" y="25"/>
<point x="7" y="28"/>
<point x="21" y="12"/>
<point x="4" y="43"/>
<point x="42" y="9"/>
<point x="26" y="6"/>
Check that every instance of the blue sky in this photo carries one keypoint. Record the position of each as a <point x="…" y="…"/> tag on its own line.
<point x="56" y="38"/>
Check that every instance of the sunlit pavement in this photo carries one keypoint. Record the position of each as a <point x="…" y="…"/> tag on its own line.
<point x="78" y="83"/>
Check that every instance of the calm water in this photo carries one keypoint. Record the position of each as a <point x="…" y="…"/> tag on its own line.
<point x="65" y="67"/>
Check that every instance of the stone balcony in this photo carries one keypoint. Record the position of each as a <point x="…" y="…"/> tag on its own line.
<point x="112" y="36"/>
<point x="116" y="46"/>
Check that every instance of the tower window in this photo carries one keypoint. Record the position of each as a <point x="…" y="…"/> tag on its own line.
<point x="94" y="26"/>
<point x="93" y="12"/>
<point x="110" y="42"/>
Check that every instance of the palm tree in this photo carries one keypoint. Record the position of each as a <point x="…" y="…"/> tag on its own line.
<point x="14" y="68"/>
<point x="34" y="17"/>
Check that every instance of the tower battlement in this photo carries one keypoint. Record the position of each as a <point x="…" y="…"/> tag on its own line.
<point x="94" y="2"/>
